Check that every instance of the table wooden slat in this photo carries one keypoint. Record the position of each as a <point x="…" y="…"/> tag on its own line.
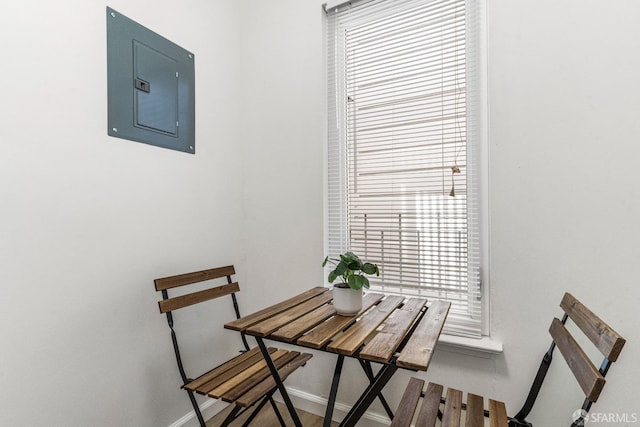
<point x="246" y="321"/>
<point x="417" y="353"/>
<point x="349" y="342"/>
<point x="324" y="332"/>
<point x="267" y="326"/>
<point x="297" y="328"/>
<point x="383" y="346"/>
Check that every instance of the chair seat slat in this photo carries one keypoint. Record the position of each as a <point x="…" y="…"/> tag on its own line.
<point x="429" y="409"/>
<point x="497" y="414"/>
<point x="408" y="403"/>
<point x="475" y="411"/>
<point x="263" y="387"/>
<point x="212" y="379"/>
<point x="452" y="408"/>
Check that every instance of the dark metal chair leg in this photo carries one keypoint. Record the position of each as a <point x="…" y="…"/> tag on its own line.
<point x="196" y="409"/>
<point x="232" y="416"/>
<point x="277" y="411"/>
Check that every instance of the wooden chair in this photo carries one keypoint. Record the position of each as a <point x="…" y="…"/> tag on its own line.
<point x="589" y="377"/>
<point x="243" y="380"/>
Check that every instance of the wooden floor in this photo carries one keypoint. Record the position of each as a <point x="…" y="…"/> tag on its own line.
<point x="267" y="418"/>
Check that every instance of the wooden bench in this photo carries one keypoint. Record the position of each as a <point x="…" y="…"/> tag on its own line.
<point x="590" y="379"/>
<point x="244" y="380"/>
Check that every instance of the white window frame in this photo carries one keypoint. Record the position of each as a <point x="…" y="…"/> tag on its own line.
<point x="481" y="176"/>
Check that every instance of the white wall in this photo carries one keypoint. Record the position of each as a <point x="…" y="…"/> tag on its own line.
<point x="563" y="110"/>
<point x="87" y="221"/>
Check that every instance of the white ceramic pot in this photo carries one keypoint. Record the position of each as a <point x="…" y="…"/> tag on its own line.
<point x="347" y="301"/>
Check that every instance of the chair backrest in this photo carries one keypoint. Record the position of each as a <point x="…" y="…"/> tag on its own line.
<point x="169" y="304"/>
<point x="608" y="341"/>
<point x="164" y="284"/>
<point x="589" y="377"/>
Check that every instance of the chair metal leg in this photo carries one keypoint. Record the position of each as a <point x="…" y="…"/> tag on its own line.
<point x="196" y="409"/>
<point x="277" y="411"/>
<point x="232" y="416"/>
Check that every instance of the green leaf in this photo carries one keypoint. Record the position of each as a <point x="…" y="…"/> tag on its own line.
<point x="355" y="266"/>
<point x="341" y="268"/>
<point x="365" y="282"/>
<point x="326" y="260"/>
<point x="350" y="257"/>
<point x="358" y="282"/>
<point x="332" y="276"/>
<point x="369" y="268"/>
<point x="354" y="283"/>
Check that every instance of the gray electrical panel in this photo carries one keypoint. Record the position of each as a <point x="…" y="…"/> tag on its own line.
<point x="151" y="86"/>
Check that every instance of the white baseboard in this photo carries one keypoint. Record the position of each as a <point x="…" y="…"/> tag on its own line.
<point x="209" y="409"/>
<point x="301" y="399"/>
<point x="317" y="405"/>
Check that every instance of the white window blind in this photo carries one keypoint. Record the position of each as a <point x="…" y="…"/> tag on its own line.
<point x="402" y="160"/>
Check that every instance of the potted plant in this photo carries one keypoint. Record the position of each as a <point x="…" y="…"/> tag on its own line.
<point x="347" y="293"/>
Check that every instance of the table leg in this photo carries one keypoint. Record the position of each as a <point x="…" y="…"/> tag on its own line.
<point x="279" y="383"/>
<point x="366" y="366"/>
<point x="334" y="391"/>
<point x="373" y="390"/>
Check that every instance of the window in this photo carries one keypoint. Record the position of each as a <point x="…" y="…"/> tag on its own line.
<point x="404" y="148"/>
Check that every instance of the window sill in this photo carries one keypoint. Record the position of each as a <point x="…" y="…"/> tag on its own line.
<point x="483" y="347"/>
